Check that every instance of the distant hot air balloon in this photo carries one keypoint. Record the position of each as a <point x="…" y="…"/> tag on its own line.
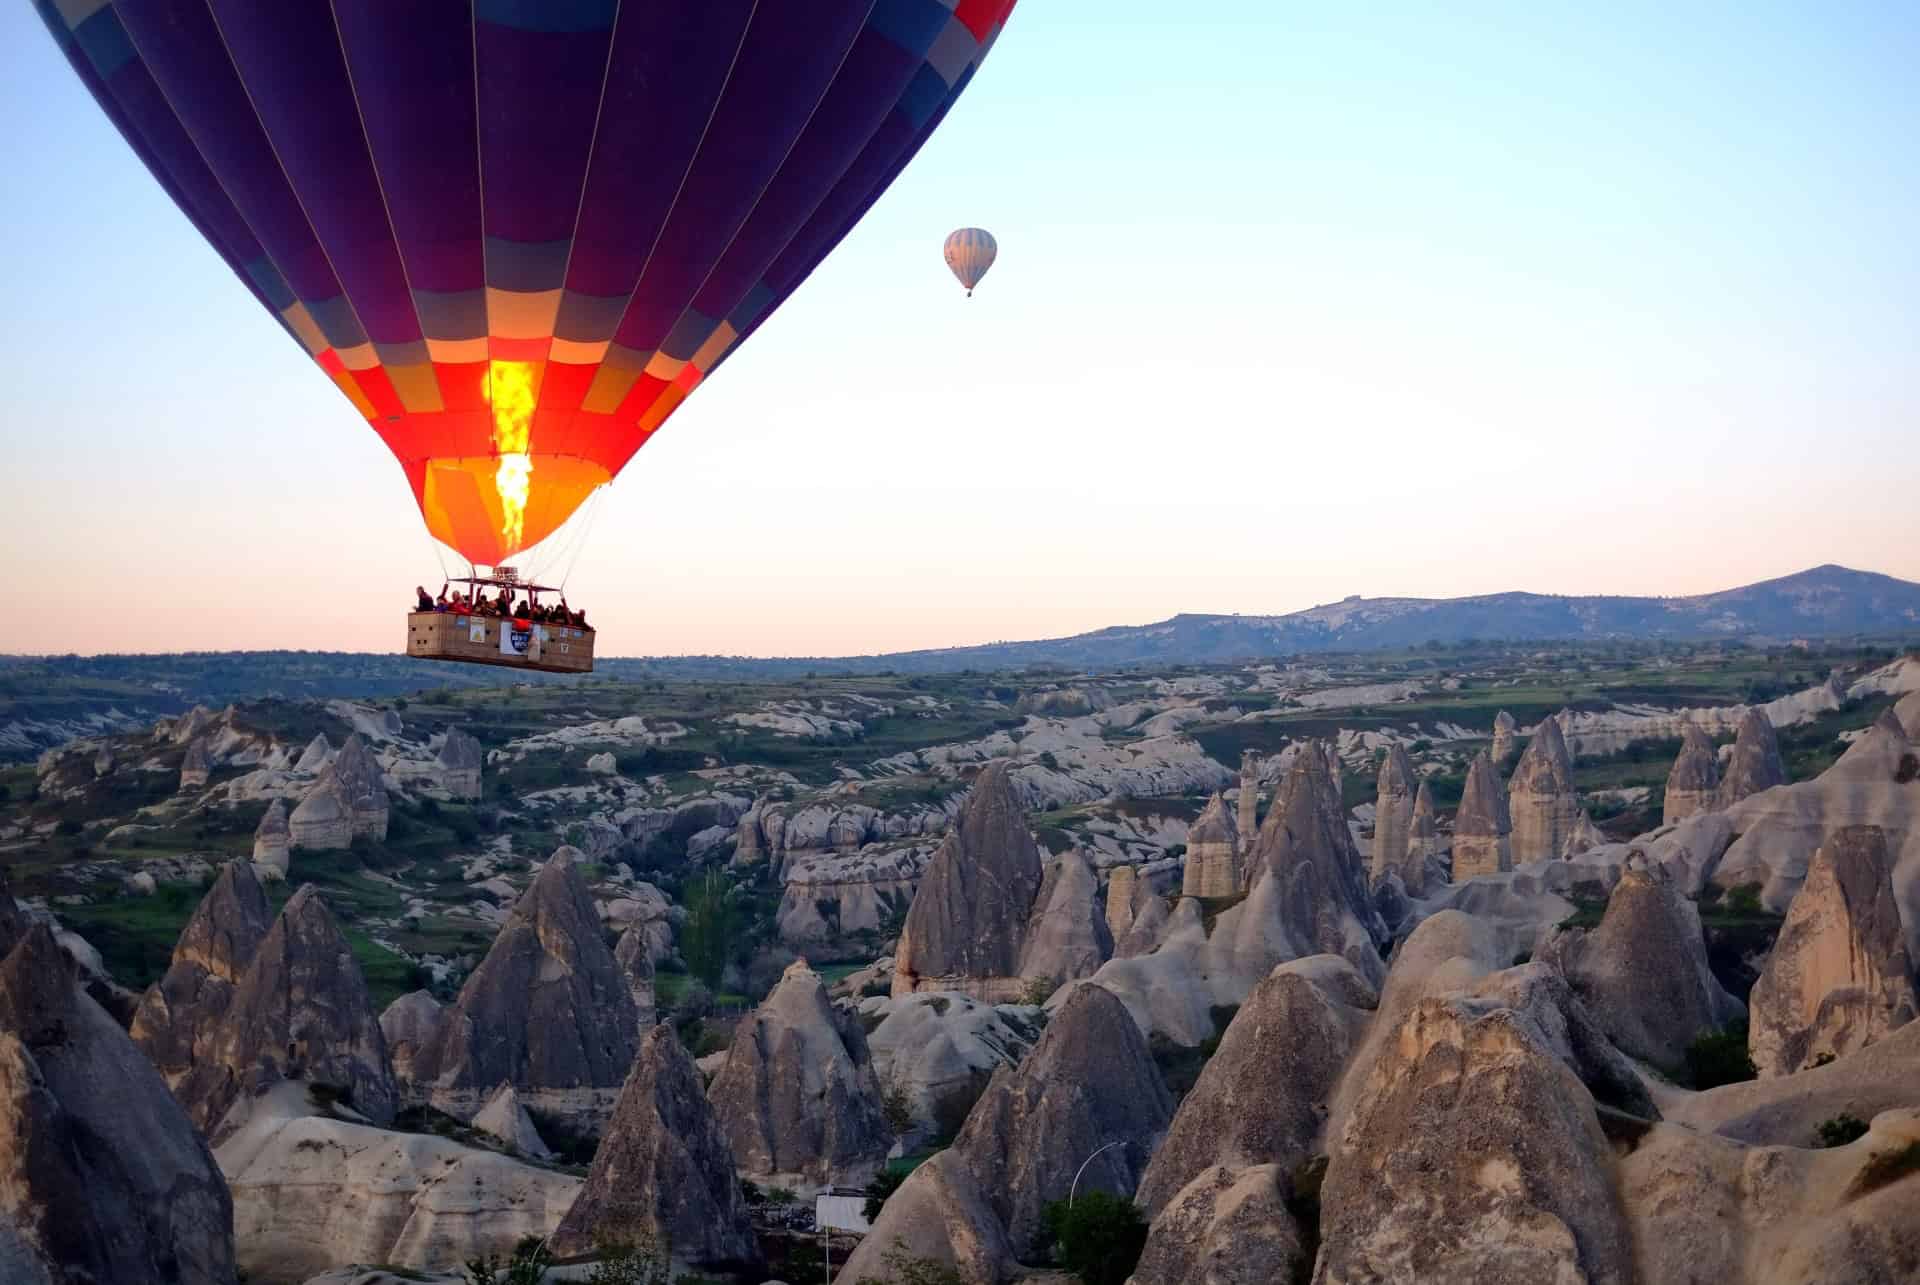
<point x="518" y="234"/>
<point x="970" y="252"/>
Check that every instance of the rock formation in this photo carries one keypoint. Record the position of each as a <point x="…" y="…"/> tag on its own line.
<point x="1213" y="853"/>
<point x="356" y="775"/>
<point x="1481" y="828"/>
<point x="1786" y="1110"/>
<point x="1840" y="975"/>
<point x="1755" y="765"/>
<point x="196" y="766"/>
<point x="797" y="1097"/>
<point x="13" y="921"/>
<point x="1543" y="807"/>
<point x="1262" y="1097"/>
<point x="967" y="926"/>
<point x="1694" y="783"/>
<point x="300" y="1011"/>
<point x="1393" y="823"/>
<point x="272" y="840"/>
<point x="634" y="954"/>
<point x="663" y="1170"/>
<point x="1907" y="710"/>
<point x="940" y="1050"/>
<point x="836" y="899"/>
<point x="547" y="1011"/>
<point x="408" y="1025"/>
<point x="1643" y="972"/>
<point x="1149" y="927"/>
<point x="1066" y="934"/>
<point x="102" y="1179"/>
<point x="459" y="763"/>
<point x="1246" y="820"/>
<point x="1090" y="1082"/>
<point x="322" y="821"/>
<point x="311" y="1191"/>
<point x="1122" y="884"/>
<point x="1226" y="1227"/>
<point x="1474" y="1152"/>
<point x="1506" y="733"/>
<point x="1423" y="841"/>
<point x="315" y="756"/>
<point x="503" y="1118"/>
<point x="180" y="1013"/>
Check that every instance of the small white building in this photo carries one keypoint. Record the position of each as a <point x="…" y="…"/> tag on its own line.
<point x="841" y="1209"/>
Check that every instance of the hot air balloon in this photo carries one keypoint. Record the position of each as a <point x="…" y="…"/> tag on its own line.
<point x="969" y="253"/>
<point x="517" y="234"/>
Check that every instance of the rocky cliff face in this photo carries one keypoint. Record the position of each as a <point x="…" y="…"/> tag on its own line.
<point x="1226" y="1227"/>
<point x="1474" y="1153"/>
<point x="797" y="1096"/>
<point x="1246" y="804"/>
<point x="1694" y="783"/>
<point x="1755" y="765"/>
<point x="1262" y="1098"/>
<point x="101" y="1176"/>
<point x="835" y="900"/>
<point x="1088" y="1083"/>
<point x="1840" y="975"/>
<point x="180" y="1012"/>
<point x="1123" y="890"/>
<point x="547" y="1011"/>
<point x="1393" y="822"/>
<point x="1423" y="842"/>
<point x="1066" y="934"/>
<point x="459" y="762"/>
<point x="967" y="926"/>
<point x="941" y="1049"/>
<point x="634" y="954"/>
<point x="300" y="1011"/>
<point x="1482" y="829"/>
<point x="1542" y="805"/>
<point x="323" y="820"/>
<point x="1643" y="972"/>
<point x="1213" y="853"/>
<point x="195" y="766"/>
<point x="408" y="1025"/>
<point x="663" y="1170"/>
<point x="272" y="841"/>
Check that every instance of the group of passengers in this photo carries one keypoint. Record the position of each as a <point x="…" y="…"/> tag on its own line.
<point x="473" y="602"/>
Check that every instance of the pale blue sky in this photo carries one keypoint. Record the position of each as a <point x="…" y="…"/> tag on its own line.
<point x="1292" y="302"/>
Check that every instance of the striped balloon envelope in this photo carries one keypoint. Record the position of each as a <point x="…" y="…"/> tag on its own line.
<point x="518" y="233"/>
<point x="969" y="253"/>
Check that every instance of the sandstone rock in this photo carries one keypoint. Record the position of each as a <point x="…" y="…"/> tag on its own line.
<point x="1694" y="783"/>
<point x="939" y="1214"/>
<point x="1393" y="822"/>
<point x="1542" y="804"/>
<point x="357" y="777"/>
<point x="1213" y="853"/>
<point x="547" y="1011"/>
<point x="834" y="900"/>
<point x="966" y="928"/>
<point x="1151" y="923"/>
<point x="143" y="884"/>
<point x="272" y="840"/>
<point x="1643" y="971"/>
<point x="460" y="762"/>
<point x="1122" y="885"/>
<point x="298" y="1012"/>
<point x="323" y="820"/>
<point x="663" y="1170"/>
<point x="1473" y="1155"/>
<point x="196" y="766"/>
<point x="312" y="1192"/>
<point x="180" y="1013"/>
<point x="1482" y="828"/>
<point x="315" y="756"/>
<point x="1785" y="1110"/>
<point x="1227" y="1227"/>
<point x="408" y="1025"/>
<point x="1066" y="934"/>
<point x="1506" y="734"/>
<point x="102" y="1179"/>
<point x="1246" y="816"/>
<point x="601" y="764"/>
<point x="1423" y="842"/>
<point x="1583" y="838"/>
<point x="941" y="1049"/>
<point x="797" y="1097"/>
<point x="504" y="1118"/>
<point x="1840" y="975"/>
<point x="634" y="954"/>
<point x="1907" y="710"/>
<point x="1755" y="765"/>
<point x="1262" y="1098"/>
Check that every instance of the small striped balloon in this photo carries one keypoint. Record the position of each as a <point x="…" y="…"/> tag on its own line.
<point x="970" y="252"/>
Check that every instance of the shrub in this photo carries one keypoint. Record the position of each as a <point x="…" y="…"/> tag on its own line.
<point x="1098" y="1237"/>
<point x="1745" y="900"/>
<point x="1037" y="992"/>
<point x="897" y="1105"/>
<point x="1719" y="1057"/>
<point x="644" y="1263"/>
<point x="1840" y="1130"/>
<point x="884" y="1184"/>
<point x="528" y="1266"/>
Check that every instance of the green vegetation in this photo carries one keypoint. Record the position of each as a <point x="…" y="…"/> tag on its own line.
<point x="1716" y="1058"/>
<point x="705" y="937"/>
<point x="527" y="1266"/>
<point x="1098" y="1236"/>
<point x="1839" y="1131"/>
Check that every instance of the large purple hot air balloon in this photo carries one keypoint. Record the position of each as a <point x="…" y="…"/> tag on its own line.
<point x="517" y="233"/>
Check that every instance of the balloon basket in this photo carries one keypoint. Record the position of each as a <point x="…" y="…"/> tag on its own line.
<point x="491" y="640"/>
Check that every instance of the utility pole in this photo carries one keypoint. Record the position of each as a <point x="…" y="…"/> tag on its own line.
<point x="1083" y="1168"/>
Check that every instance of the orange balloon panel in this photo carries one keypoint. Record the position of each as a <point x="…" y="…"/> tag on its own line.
<point x="462" y="504"/>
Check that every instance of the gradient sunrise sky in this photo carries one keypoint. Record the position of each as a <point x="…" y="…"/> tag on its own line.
<point x="1293" y="301"/>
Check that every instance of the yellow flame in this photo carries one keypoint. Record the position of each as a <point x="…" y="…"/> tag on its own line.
<point x="510" y="392"/>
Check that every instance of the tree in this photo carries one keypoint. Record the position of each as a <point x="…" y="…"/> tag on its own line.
<point x="884" y="1184"/>
<point x="1098" y="1237"/>
<point x="706" y="936"/>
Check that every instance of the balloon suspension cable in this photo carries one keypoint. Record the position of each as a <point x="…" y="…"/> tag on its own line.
<point x="580" y="546"/>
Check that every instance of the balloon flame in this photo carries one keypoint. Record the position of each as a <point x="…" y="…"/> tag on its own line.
<point x="510" y="393"/>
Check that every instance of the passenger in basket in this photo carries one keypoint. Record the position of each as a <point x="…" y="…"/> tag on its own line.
<point x="423" y="600"/>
